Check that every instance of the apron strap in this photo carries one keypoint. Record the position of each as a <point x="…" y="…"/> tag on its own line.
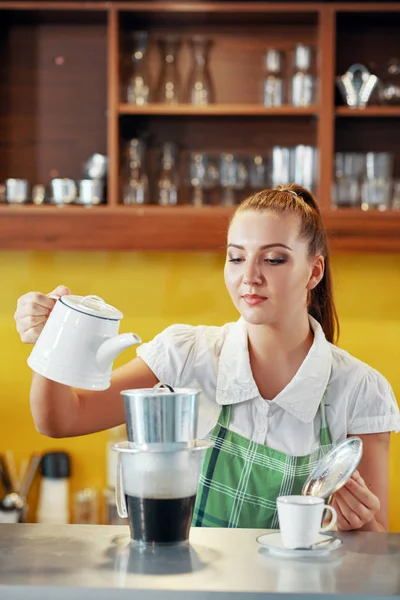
<point x="325" y="438"/>
<point x="224" y="418"/>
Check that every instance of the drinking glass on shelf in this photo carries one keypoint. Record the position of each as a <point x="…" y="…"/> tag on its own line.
<point x="135" y="190"/>
<point x="273" y="79"/>
<point x="258" y="173"/>
<point x="281" y="166"/>
<point x="200" y="85"/>
<point x="228" y="178"/>
<point x="198" y="173"/>
<point x="396" y="195"/>
<point x="167" y="183"/>
<point x="349" y="170"/>
<point x="169" y="85"/>
<point x="376" y="189"/>
<point x="138" y="89"/>
<point x="303" y="82"/>
<point x="305" y="166"/>
<point x="242" y="174"/>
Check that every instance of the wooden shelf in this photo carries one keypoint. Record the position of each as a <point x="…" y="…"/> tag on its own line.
<point x="368" y="111"/>
<point x="218" y="110"/>
<point x="171" y="228"/>
<point x="54" y="137"/>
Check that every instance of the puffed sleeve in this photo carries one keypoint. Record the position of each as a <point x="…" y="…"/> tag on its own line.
<point x="375" y="408"/>
<point x="170" y="355"/>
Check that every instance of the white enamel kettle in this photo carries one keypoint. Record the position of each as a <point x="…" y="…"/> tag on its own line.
<point x="79" y="343"/>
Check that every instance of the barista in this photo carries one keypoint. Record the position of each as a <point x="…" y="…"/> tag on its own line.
<point x="276" y="391"/>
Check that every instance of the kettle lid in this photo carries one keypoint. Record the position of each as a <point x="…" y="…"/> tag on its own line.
<point x="93" y="306"/>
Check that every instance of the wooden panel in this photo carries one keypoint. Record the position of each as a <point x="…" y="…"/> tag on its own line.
<point x="112" y="112"/>
<point x="369" y="111"/>
<point x="325" y="130"/>
<point x="178" y="228"/>
<point x="355" y="231"/>
<point x="222" y="110"/>
<point x="272" y="10"/>
<point x="53" y="96"/>
<point x="366" y="7"/>
<point x="54" y="6"/>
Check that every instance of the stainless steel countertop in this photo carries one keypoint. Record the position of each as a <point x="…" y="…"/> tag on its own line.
<point x="46" y="561"/>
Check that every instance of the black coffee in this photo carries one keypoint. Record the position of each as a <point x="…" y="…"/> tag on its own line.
<point x="159" y="520"/>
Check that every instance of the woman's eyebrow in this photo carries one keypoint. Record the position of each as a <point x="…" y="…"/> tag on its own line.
<point x="265" y="247"/>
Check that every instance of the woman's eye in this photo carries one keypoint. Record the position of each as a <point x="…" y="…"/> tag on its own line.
<point x="236" y="261"/>
<point x="275" y="261"/>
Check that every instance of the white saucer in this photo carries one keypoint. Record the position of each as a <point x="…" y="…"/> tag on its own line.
<point x="273" y="543"/>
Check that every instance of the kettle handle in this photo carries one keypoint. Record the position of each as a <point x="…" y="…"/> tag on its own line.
<point x="160" y="385"/>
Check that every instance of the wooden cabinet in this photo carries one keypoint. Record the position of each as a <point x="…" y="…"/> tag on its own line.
<point x="63" y="69"/>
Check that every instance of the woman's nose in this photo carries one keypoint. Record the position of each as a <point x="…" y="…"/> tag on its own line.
<point x="252" y="276"/>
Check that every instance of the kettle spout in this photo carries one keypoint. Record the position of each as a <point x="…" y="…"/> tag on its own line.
<point x="110" y="349"/>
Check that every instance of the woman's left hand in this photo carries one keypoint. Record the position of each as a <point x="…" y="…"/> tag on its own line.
<point x="355" y="504"/>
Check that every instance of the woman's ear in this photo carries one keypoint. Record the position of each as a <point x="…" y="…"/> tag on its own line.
<point x="317" y="272"/>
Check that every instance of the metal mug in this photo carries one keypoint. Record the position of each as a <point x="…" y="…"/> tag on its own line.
<point x="161" y="416"/>
<point x="17" y="191"/>
<point x="63" y="191"/>
<point x="90" y="191"/>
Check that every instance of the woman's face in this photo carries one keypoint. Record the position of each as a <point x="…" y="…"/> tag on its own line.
<point x="268" y="271"/>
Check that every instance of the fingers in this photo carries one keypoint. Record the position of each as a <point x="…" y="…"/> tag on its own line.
<point x="60" y="290"/>
<point x="33" y="310"/>
<point x="356" y="490"/>
<point x="36" y="299"/>
<point x="341" y="523"/>
<point x="29" y="328"/>
<point x="356" y="503"/>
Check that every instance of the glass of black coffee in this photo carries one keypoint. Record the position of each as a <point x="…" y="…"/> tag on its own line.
<point x="156" y="489"/>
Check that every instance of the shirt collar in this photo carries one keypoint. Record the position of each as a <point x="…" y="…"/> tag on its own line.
<point x="303" y="394"/>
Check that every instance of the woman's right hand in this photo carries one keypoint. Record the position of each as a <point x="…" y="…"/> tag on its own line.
<point x="32" y="312"/>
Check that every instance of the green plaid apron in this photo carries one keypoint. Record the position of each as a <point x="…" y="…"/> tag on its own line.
<point x="241" y="479"/>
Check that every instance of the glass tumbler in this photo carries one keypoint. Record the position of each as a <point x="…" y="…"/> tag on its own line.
<point x="376" y="189"/>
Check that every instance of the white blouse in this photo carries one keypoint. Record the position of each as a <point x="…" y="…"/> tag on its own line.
<point x="216" y="361"/>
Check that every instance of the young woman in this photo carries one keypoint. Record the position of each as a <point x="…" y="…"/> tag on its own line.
<point x="276" y="391"/>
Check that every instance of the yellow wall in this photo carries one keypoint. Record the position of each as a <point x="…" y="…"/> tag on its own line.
<point x="155" y="290"/>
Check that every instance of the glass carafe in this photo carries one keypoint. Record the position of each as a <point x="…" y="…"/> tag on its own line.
<point x="167" y="184"/>
<point x="303" y="81"/>
<point x="138" y="88"/>
<point x="200" y="86"/>
<point x="169" y="85"/>
<point x="135" y="189"/>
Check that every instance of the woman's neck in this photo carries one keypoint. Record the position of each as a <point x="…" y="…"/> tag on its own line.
<point x="277" y="352"/>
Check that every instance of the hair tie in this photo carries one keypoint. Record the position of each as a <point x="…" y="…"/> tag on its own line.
<point x="291" y="192"/>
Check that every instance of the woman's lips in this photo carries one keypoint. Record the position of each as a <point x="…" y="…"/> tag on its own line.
<point x="253" y="299"/>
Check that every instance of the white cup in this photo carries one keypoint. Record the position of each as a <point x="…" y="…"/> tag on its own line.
<point x="300" y="520"/>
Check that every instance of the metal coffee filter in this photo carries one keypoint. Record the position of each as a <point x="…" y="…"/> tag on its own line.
<point x="334" y="469"/>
